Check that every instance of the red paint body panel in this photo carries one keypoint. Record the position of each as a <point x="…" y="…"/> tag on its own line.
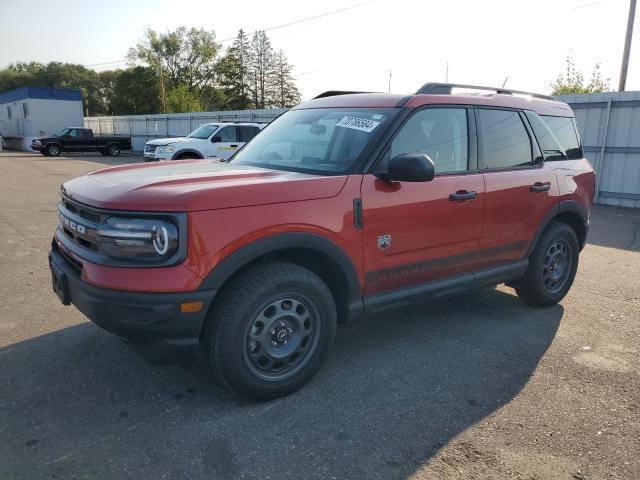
<point x="426" y="228"/>
<point x="193" y="185"/>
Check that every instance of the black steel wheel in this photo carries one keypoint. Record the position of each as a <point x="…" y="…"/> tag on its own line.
<point x="269" y="330"/>
<point x="557" y="265"/>
<point x="282" y="338"/>
<point x="552" y="266"/>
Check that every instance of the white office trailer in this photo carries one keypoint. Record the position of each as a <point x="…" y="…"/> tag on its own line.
<point x="29" y="112"/>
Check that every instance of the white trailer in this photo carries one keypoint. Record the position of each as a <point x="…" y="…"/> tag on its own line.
<point x="30" y="112"/>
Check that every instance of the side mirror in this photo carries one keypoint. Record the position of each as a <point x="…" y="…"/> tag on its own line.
<point x="410" y="167"/>
<point x="216" y="139"/>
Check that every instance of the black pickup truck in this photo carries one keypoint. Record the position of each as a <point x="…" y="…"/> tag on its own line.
<point x="80" y="140"/>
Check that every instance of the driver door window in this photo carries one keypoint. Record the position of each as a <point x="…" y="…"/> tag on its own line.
<point x="227" y="145"/>
<point x="440" y="133"/>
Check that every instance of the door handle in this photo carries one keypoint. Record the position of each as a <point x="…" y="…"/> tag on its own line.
<point x="233" y="146"/>
<point x="540" y="187"/>
<point x="462" y="195"/>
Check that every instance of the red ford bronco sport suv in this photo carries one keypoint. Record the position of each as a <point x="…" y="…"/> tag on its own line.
<point x="347" y="204"/>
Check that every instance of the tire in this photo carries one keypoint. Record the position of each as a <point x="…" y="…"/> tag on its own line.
<point x="270" y="331"/>
<point x="187" y="156"/>
<point x="113" y="150"/>
<point x="552" y="267"/>
<point x="52" y="150"/>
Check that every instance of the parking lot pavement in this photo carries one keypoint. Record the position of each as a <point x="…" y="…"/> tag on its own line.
<point x="477" y="387"/>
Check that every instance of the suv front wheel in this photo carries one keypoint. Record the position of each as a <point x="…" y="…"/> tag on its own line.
<point x="552" y="267"/>
<point x="271" y="330"/>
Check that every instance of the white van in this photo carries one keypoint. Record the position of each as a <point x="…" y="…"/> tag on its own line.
<point x="220" y="139"/>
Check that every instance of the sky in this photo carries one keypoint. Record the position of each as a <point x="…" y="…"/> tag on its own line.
<point x="483" y="42"/>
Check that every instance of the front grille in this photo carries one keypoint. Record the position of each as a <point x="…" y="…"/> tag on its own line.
<point x="79" y="223"/>
<point x="150" y="148"/>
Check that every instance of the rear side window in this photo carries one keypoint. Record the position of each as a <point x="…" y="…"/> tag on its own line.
<point x="440" y="133"/>
<point x="564" y="130"/>
<point x="504" y="141"/>
<point x="247" y="133"/>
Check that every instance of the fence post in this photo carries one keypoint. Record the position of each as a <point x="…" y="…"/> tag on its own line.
<point x="603" y="145"/>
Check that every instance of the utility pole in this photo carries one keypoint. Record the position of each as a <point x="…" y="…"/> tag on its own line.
<point x="162" y="102"/>
<point x="446" y="75"/>
<point x="627" y="46"/>
<point x="389" y="80"/>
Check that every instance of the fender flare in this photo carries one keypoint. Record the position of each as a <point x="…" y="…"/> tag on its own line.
<point x="564" y="206"/>
<point x="274" y="243"/>
<point x="177" y="153"/>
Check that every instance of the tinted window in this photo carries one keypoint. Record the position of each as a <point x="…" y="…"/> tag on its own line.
<point x="504" y="141"/>
<point x="227" y="134"/>
<point x="565" y="131"/>
<point x="247" y="133"/>
<point x="440" y="133"/>
<point x="73" y="133"/>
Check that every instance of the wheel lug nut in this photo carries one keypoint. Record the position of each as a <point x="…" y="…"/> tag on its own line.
<point x="273" y="342"/>
<point x="273" y="332"/>
<point x="282" y="324"/>
<point x="285" y="342"/>
<point x="289" y="330"/>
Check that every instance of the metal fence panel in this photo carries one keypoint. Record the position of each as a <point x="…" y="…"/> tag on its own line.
<point x="143" y="128"/>
<point x="609" y="125"/>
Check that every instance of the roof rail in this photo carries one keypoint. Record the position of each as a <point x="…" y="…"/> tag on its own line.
<point x="334" y="93"/>
<point x="446" y="89"/>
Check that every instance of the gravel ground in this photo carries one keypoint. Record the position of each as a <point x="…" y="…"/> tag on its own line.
<point x="479" y="387"/>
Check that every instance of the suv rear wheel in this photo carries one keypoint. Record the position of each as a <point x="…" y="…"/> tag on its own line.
<point x="271" y="330"/>
<point x="552" y="267"/>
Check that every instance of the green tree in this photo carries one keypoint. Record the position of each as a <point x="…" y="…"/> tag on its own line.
<point x="285" y="92"/>
<point x="183" y="57"/>
<point x="233" y="71"/>
<point x="135" y="92"/>
<point x="61" y="75"/>
<point x="261" y="69"/>
<point x="180" y="99"/>
<point x="572" y="81"/>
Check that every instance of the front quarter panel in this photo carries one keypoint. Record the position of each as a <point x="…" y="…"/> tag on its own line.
<point x="216" y="234"/>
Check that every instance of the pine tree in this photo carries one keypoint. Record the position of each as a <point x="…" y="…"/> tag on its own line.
<point x="285" y="92"/>
<point x="262" y="69"/>
<point x="233" y="73"/>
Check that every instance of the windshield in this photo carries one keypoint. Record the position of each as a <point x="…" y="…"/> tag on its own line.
<point x="323" y="140"/>
<point x="62" y="132"/>
<point x="203" y="132"/>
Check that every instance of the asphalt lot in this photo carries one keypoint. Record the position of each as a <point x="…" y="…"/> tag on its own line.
<point x="479" y="387"/>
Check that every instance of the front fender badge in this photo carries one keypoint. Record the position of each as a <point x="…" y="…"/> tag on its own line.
<point x="384" y="241"/>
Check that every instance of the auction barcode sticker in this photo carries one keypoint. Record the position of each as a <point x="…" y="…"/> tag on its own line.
<point x="356" y="123"/>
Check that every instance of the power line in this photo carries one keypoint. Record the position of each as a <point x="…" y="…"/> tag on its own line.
<point x="284" y="25"/>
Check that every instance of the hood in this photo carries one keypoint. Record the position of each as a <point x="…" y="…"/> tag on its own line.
<point x="167" y="141"/>
<point x="191" y="185"/>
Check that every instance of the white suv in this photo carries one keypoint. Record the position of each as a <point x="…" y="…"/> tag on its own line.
<point x="219" y="140"/>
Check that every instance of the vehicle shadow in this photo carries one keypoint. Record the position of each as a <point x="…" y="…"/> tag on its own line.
<point x="397" y="387"/>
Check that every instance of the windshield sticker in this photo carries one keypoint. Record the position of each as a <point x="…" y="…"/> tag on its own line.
<point x="362" y="124"/>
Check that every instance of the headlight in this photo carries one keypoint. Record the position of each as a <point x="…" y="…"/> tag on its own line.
<point x="166" y="149"/>
<point x="37" y="142"/>
<point x="143" y="239"/>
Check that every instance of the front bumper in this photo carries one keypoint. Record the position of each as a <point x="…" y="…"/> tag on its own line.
<point x="151" y="322"/>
